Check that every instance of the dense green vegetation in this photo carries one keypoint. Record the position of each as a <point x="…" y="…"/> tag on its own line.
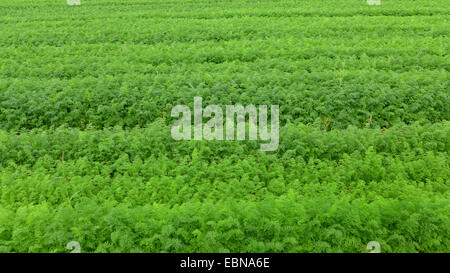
<point x="86" y="152"/>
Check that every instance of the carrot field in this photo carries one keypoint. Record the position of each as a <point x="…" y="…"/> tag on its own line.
<point x="87" y="155"/>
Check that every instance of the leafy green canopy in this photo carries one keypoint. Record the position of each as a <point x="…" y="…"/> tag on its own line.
<point x="85" y="147"/>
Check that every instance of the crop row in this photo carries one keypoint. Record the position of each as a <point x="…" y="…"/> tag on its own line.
<point x="407" y="52"/>
<point x="361" y="98"/>
<point x="152" y="31"/>
<point x="208" y="174"/>
<point x="58" y="10"/>
<point x="298" y="141"/>
<point x="325" y="224"/>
